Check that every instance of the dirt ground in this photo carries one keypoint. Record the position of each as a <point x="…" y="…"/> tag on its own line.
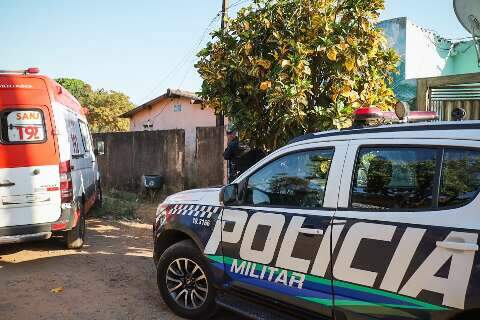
<point x="113" y="277"/>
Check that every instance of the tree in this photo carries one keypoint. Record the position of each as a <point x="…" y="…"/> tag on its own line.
<point x="77" y="88"/>
<point x="282" y="68"/>
<point x="104" y="107"/>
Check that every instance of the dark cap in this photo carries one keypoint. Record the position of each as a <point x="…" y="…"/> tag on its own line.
<point x="231" y="129"/>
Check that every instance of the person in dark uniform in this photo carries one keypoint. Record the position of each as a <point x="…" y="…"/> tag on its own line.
<point x="239" y="156"/>
<point x="232" y="153"/>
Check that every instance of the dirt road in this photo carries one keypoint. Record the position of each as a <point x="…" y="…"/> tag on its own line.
<point x="113" y="277"/>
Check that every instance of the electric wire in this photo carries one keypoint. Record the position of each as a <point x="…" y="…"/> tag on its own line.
<point x="186" y="58"/>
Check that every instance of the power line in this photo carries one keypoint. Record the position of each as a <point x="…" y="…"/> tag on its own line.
<point x="183" y="60"/>
<point x="235" y="4"/>
<point x="238" y="3"/>
<point x="188" y="71"/>
<point x="186" y="58"/>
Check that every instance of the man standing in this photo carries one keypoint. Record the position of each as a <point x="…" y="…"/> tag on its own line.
<point x="232" y="153"/>
<point x="239" y="157"/>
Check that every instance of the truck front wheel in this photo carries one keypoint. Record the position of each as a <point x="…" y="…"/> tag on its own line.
<point x="184" y="280"/>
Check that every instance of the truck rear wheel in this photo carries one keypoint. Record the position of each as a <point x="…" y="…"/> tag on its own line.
<point x="75" y="238"/>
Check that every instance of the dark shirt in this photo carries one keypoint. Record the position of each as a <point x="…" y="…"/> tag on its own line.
<point x="240" y="158"/>
<point x="232" y="150"/>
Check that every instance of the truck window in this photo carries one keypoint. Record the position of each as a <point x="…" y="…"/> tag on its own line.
<point x="394" y="178"/>
<point x="87" y="143"/>
<point x="460" y="180"/>
<point x="295" y="180"/>
<point x="22" y="126"/>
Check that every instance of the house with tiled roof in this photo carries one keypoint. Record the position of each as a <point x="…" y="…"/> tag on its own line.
<point x="176" y="109"/>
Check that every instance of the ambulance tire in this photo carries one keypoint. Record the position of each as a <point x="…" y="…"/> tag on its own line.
<point x="99" y="197"/>
<point x="75" y="238"/>
<point x="186" y="251"/>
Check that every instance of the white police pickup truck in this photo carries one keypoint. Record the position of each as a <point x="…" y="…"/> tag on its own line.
<point x="371" y="223"/>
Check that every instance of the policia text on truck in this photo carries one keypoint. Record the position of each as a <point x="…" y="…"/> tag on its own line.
<point x="377" y="222"/>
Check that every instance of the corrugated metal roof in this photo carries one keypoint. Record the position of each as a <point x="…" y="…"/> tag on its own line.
<point x="469" y="91"/>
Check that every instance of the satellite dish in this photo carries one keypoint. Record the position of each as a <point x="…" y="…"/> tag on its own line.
<point x="468" y="13"/>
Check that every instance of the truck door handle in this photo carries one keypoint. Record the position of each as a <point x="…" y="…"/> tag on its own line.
<point x="460" y="246"/>
<point x="7" y="183"/>
<point x="315" y="230"/>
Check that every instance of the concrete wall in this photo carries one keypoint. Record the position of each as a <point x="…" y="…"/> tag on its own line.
<point x="396" y="33"/>
<point x="130" y="155"/>
<point x="177" y="113"/>
<point x="425" y="54"/>
<point x="210" y="147"/>
<point x="463" y="58"/>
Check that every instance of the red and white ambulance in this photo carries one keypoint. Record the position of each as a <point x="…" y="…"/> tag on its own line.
<point x="49" y="176"/>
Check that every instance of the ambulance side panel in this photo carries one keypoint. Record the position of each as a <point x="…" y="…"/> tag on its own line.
<point x="71" y="147"/>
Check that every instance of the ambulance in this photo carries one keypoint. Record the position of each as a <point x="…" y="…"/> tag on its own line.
<point x="373" y="222"/>
<point x="49" y="177"/>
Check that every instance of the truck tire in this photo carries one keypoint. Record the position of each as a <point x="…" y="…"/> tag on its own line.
<point x="75" y="238"/>
<point x="185" y="281"/>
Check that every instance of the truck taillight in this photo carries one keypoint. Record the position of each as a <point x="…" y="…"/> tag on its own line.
<point x="66" y="185"/>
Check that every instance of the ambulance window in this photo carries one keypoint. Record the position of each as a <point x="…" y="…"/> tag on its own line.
<point x="295" y="180"/>
<point x="394" y="178"/>
<point x="22" y="126"/>
<point x="460" y="180"/>
<point x="87" y="144"/>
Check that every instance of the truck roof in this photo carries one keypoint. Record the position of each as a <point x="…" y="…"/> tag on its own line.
<point x="15" y="81"/>
<point x="465" y="130"/>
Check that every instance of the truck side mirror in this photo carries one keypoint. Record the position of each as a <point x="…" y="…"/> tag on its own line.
<point x="229" y="194"/>
<point x="99" y="148"/>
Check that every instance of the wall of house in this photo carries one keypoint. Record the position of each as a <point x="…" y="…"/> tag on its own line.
<point x="425" y="54"/>
<point x="396" y="33"/>
<point x="177" y="113"/>
<point x="464" y="58"/>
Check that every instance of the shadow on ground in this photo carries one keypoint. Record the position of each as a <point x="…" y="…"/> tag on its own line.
<point x="113" y="277"/>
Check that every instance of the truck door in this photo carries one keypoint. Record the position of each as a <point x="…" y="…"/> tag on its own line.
<point x="276" y="244"/>
<point x="29" y="171"/>
<point x="409" y="246"/>
<point x="88" y="164"/>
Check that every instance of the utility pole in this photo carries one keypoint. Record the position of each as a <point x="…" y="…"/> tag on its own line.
<point x="220" y="117"/>
<point x="224" y="13"/>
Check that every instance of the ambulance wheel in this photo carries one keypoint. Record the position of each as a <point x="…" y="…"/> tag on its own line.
<point x="76" y="237"/>
<point x="185" y="281"/>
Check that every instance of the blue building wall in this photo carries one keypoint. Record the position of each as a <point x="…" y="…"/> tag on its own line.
<point x="423" y="54"/>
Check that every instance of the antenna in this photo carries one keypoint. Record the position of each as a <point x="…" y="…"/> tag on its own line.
<point x="468" y="13"/>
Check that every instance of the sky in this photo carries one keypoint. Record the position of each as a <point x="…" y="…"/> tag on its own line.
<point x="142" y="47"/>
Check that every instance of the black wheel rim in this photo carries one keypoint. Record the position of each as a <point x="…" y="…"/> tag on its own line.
<point x="186" y="283"/>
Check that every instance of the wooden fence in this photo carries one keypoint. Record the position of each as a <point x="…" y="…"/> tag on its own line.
<point x="130" y="155"/>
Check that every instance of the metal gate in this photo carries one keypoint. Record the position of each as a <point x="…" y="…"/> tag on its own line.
<point x="444" y="99"/>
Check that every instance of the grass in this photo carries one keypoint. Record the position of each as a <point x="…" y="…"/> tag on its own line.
<point x="121" y="205"/>
<point x="118" y="205"/>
